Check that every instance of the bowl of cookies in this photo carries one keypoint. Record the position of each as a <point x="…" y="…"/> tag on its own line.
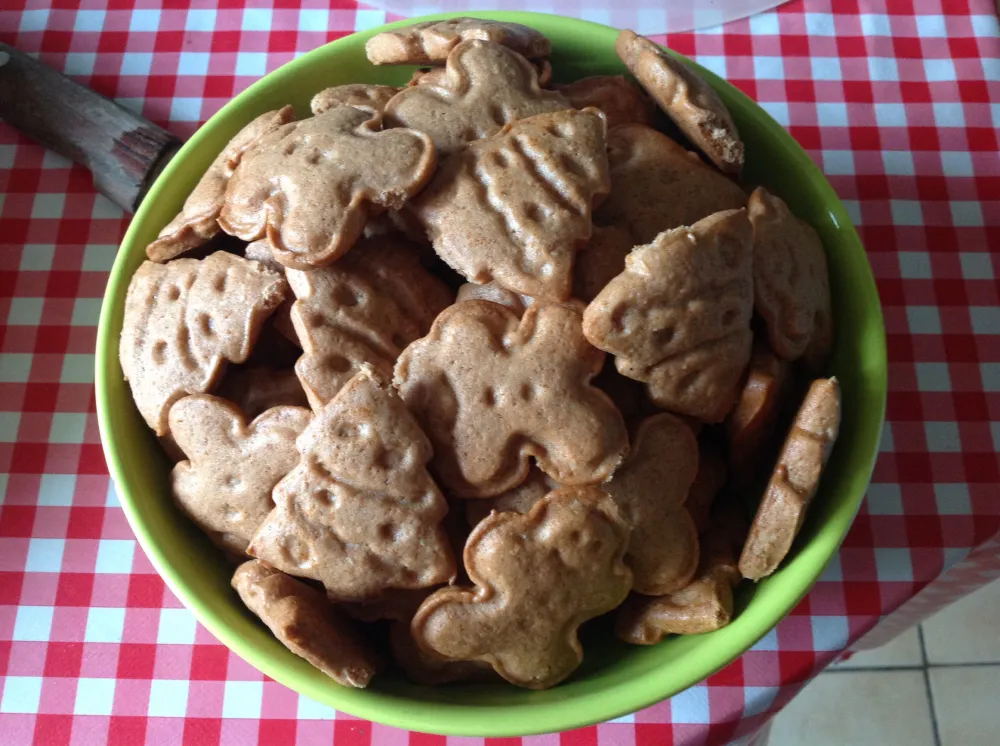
<point x="491" y="376"/>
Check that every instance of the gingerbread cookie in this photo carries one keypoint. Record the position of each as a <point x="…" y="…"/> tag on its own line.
<point x="372" y="98"/>
<point x="794" y="482"/>
<point x="432" y="42"/>
<point x="359" y="513"/>
<point x="536" y="578"/>
<point x="791" y="280"/>
<point x="621" y="100"/>
<point x="310" y="186"/>
<point x="305" y="623"/>
<point x="257" y="388"/>
<point x="678" y="317"/>
<point x="658" y="185"/>
<point x="686" y="98"/>
<point x="485" y="86"/>
<point x="516" y="208"/>
<point x="197" y="221"/>
<point x="361" y="310"/>
<point x="492" y="391"/>
<point x="184" y="320"/>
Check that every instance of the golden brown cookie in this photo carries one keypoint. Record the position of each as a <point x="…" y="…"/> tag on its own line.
<point x="711" y="477"/>
<point x="485" y="86"/>
<point x="750" y="426"/>
<point x="621" y="100"/>
<point x="794" y="482"/>
<point x="430" y="669"/>
<point x="516" y="208"/>
<point x="536" y="578"/>
<point x="493" y="391"/>
<point x="432" y="42"/>
<point x="600" y="261"/>
<point x="678" y="317"/>
<point x="305" y="623"/>
<point x="254" y="389"/>
<point x="686" y="98"/>
<point x="225" y="485"/>
<point x="361" y="310"/>
<point x="791" y="281"/>
<point x="197" y="221"/>
<point x="184" y="320"/>
<point x="439" y="75"/>
<point x="365" y="96"/>
<point x="359" y="513"/>
<point x="658" y="185"/>
<point x="520" y="499"/>
<point x="310" y="186"/>
<point x="650" y="488"/>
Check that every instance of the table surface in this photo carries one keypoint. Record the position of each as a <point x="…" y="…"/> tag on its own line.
<point x="896" y="101"/>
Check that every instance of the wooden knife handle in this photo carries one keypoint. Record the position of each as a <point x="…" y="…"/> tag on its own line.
<point x="123" y="151"/>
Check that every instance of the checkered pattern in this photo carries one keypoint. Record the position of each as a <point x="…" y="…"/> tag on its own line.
<point x="897" y="101"/>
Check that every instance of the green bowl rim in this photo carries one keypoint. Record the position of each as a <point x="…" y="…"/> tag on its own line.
<point x="441" y="717"/>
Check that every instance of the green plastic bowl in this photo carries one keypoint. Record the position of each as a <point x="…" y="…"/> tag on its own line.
<point x="615" y="678"/>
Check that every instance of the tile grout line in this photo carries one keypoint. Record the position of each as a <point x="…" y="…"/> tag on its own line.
<point x="927" y="686"/>
<point x="912" y="667"/>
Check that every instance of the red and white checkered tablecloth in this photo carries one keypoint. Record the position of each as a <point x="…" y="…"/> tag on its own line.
<point x="897" y="101"/>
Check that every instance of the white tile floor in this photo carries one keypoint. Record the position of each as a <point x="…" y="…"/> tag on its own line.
<point x="936" y="685"/>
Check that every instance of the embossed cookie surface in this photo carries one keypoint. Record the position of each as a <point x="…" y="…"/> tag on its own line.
<point x="197" y="221"/>
<point x="372" y="98"/>
<point x="791" y="280"/>
<point x="310" y="186"/>
<point x="658" y="185"/>
<point x="432" y="41"/>
<point x="516" y="208"/>
<point x="492" y="391"/>
<point x="536" y="578"/>
<point x="225" y="485"/>
<point x="305" y="623"/>
<point x="184" y="320"/>
<point x="678" y="317"/>
<point x="359" y="512"/>
<point x="363" y="309"/>
<point x="686" y="98"/>
<point x="621" y="100"/>
<point x="485" y="87"/>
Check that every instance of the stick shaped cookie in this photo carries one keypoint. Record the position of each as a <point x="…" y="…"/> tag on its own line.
<point x="485" y="87"/>
<point x="516" y="208"/>
<point x="431" y="42"/>
<point x="184" y="320"/>
<point x="310" y="186"/>
<point x="794" y="482"/>
<point x="359" y="513"/>
<point x="198" y="220"/>
<point x="686" y="98"/>
<point x="678" y="317"/>
<point x="305" y="623"/>
<point x="621" y="100"/>
<point x="791" y="280"/>
<point x="361" y="310"/>
<point x="492" y="391"/>
<point x="537" y="578"/>
<point x="225" y="486"/>
<point x="658" y="185"/>
<point x="372" y="98"/>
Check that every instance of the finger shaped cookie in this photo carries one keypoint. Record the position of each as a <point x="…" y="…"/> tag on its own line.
<point x="432" y="42"/>
<point x="361" y="310"/>
<point x="658" y="185"/>
<point x="197" y="221"/>
<point x="621" y="100"/>
<point x="791" y="281"/>
<point x="257" y="388"/>
<point x="650" y="488"/>
<point x="372" y="98"/>
<point x="537" y="578"/>
<point x="794" y="482"/>
<point x="225" y="485"/>
<point x="485" y="86"/>
<point x="492" y="391"/>
<point x="520" y="499"/>
<point x="678" y="317"/>
<point x="516" y="208"/>
<point x="686" y="98"/>
<point x="359" y="513"/>
<point x="184" y="320"/>
<point x="310" y="186"/>
<point x="305" y="623"/>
